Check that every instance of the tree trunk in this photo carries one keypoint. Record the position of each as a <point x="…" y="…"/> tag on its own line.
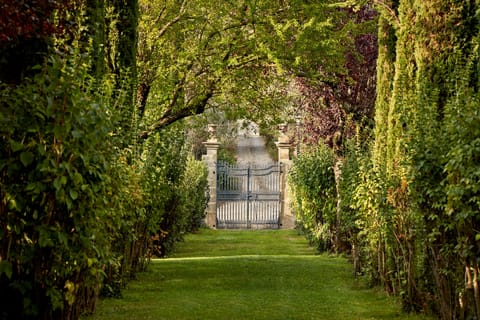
<point x="337" y="170"/>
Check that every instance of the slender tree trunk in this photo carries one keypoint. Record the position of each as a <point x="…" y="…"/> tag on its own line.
<point x="472" y="285"/>
<point x="337" y="170"/>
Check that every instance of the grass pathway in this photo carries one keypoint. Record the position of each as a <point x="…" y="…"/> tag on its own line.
<point x="248" y="275"/>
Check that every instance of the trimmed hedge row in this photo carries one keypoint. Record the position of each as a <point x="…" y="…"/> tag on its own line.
<point x="79" y="203"/>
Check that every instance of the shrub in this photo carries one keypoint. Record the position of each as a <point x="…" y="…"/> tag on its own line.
<point x="350" y="179"/>
<point x="314" y="196"/>
<point x="54" y="189"/>
<point x="195" y="186"/>
<point x="174" y="188"/>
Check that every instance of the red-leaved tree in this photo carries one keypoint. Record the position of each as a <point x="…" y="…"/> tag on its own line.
<point x="26" y="28"/>
<point x="333" y="109"/>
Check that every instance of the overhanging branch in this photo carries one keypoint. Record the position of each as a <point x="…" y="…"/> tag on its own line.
<point x="198" y="106"/>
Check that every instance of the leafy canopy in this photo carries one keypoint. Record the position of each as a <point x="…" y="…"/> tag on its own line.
<point x="232" y="56"/>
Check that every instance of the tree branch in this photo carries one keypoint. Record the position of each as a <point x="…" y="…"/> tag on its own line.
<point x="198" y="106"/>
<point x="171" y="22"/>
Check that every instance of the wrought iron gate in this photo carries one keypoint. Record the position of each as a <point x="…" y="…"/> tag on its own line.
<point x="248" y="197"/>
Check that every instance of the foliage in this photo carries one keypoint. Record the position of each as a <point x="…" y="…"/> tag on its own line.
<point x="81" y="196"/>
<point x="373" y="220"/>
<point x="195" y="191"/>
<point x="313" y="184"/>
<point x="199" y="55"/>
<point x="409" y="207"/>
<point x="191" y="52"/>
<point x="335" y="98"/>
<point x="26" y="30"/>
<point x="417" y="196"/>
<point x="334" y="106"/>
<point x="160" y="196"/>
<point x="77" y="193"/>
<point x="54" y="178"/>
<point x="176" y="186"/>
<point x="349" y="221"/>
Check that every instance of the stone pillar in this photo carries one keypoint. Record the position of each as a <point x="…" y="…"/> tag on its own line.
<point x="287" y="219"/>
<point x="211" y="161"/>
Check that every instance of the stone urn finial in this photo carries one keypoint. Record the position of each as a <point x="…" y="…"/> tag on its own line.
<point x="212" y="132"/>
<point x="283" y="138"/>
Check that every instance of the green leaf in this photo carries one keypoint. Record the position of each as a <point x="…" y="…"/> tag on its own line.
<point x="27" y="158"/>
<point x="16" y="146"/>
<point x="6" y="269"/>
<point x="44" y="238"/>
<point x="56" y="183"/>
<point x="59" y="182"/>
<point x="77" y="178"/>
<point x="69" y="203"/>
<point x="73" y="194"/>
<point x="63" y="238"/>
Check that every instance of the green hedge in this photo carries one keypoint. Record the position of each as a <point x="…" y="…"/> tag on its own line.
<point x="80" y="202"/>
<point x="176" y="187"/>
<point x="54" y="190"/>
<point x="418" y="197"/>
<point x="312" y="182"/>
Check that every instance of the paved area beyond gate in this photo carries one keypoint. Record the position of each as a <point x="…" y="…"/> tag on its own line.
<point x="248" y="196"/>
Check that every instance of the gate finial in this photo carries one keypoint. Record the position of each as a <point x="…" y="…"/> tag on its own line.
<point x="283" y="144"/>
<point x="212" y="132"/>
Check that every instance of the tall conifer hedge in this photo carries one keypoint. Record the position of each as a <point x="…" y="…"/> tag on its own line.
<point x="426" y="152"/>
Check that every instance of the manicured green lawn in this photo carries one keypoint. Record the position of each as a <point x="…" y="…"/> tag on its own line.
<point x="248" y="275"/>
